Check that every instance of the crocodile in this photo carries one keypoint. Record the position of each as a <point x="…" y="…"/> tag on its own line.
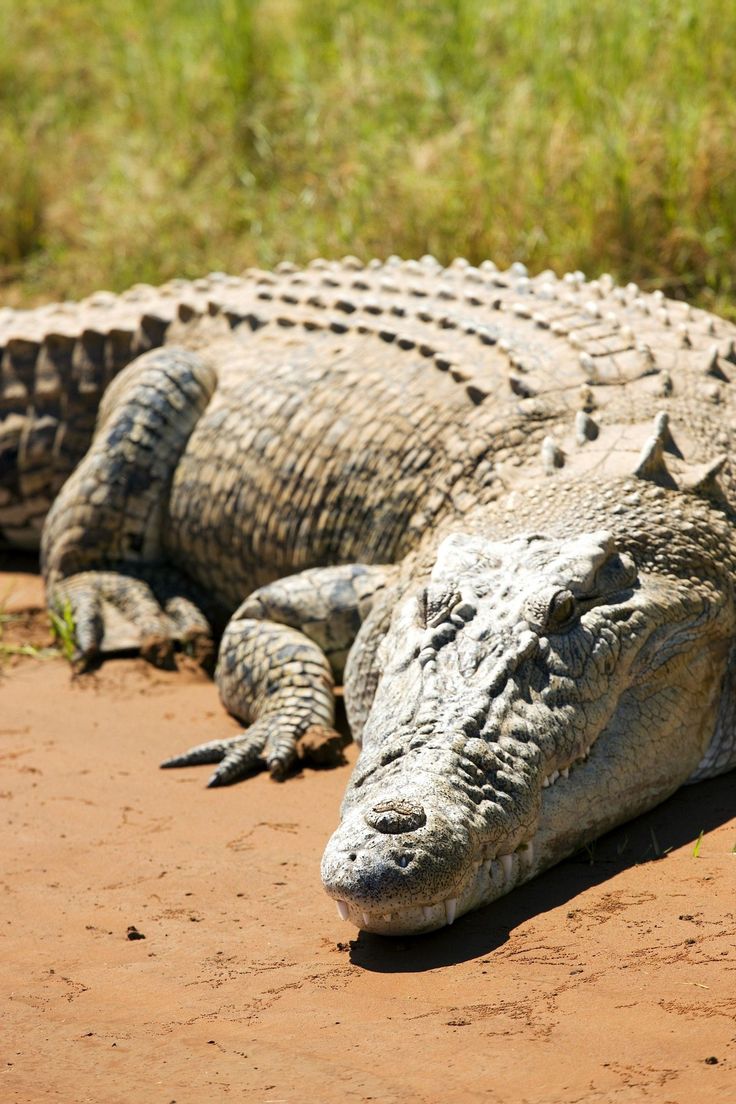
<point x="498" y="508"/>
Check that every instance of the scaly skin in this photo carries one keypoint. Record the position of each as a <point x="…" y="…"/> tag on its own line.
<point x="526" y="482"/>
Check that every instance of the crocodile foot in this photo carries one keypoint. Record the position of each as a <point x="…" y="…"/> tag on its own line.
<point x="101" y="612"/>
<point x="275" y="679"/>
<point x="271" y="742"/>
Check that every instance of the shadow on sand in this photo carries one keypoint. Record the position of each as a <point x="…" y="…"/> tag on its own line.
<point x="649" y="838"/>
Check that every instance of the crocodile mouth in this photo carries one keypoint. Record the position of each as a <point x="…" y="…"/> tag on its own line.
<point x="499" y="875"/>
<point x="486" y="879"/>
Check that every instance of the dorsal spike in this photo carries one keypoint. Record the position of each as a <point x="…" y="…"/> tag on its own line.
<point x="713" y="367"/>
<point x="685" y="339"/>
<point x="521" y="388"/>
<point x="665" y="384"/>
<point x="651" y="464"/>
<point x="663" y="432"/>
<point x="186" y="311"/>
<point x="552" y="456"/>
<point x="587" y="399"/>
<point x="586" y="428"/>
<point x="647" y="355"/>
<point x="703" y="480"/>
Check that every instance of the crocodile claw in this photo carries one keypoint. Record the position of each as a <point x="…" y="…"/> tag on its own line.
<point x="269" y="743"/>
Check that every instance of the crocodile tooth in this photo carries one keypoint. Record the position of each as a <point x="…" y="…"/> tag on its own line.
<point x="507" y="863"/>
<point x="545" y="782"/>
<point x="450" y="909"/>
<point x="565" y="773"/>
<point x="387" y="916"/>
<point x="427" y="910"/>
<point x="366" y="919"/>
<point x="487" y="867"/>
<point x="342" y="910"/>
<point x="529" y="853"/>
<point x="553" y="777"/>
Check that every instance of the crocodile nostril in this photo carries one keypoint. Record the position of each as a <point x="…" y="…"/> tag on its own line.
<point x="396" y="815"/>
<point x="403" y="861"/>
<point x="352" y="856"/>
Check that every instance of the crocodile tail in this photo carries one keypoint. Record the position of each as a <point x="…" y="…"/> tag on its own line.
<point x="55" y="363"/>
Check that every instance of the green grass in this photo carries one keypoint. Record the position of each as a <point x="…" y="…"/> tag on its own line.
<point x="63" y="629"/>
<point x="7" y="650"/>
<point x="140" y="142"/>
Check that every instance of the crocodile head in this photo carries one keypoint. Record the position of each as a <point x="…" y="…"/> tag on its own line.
<point x="536" y="692"/>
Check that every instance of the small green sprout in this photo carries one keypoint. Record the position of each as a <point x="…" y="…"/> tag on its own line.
<point x="696" y="848"/>
<point x="63" y="628"/>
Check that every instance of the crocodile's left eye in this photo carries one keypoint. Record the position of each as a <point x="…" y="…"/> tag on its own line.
<point x="561" y="610"/>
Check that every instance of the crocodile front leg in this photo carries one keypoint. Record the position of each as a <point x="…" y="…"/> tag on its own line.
<point x="327" y="604"/>
<point x="276" y="664"/>
<point x="102" y="542"/>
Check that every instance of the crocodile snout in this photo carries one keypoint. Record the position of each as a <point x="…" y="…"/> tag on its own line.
<point x="398" y="853"/>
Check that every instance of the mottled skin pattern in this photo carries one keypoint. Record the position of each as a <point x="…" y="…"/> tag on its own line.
<point x="503" y="505"/>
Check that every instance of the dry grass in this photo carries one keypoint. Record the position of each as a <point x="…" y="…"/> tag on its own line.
<point x="221" y="133"/>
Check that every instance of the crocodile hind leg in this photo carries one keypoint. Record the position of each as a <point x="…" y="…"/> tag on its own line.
<point x="275" y="670"/>
<point x="101" y="549"/>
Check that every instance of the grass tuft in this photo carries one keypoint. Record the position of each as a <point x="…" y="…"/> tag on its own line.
<point x="63" y="628"/>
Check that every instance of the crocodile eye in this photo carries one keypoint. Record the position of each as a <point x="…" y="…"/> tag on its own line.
<point x="561" y="609"/>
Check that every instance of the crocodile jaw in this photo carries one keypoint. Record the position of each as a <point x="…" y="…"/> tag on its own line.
<point x="489" y="880"/>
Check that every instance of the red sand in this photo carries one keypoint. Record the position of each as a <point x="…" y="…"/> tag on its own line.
<point x="610" y="978"/>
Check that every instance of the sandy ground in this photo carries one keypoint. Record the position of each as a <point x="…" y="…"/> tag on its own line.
<point x="610" y="978"/>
